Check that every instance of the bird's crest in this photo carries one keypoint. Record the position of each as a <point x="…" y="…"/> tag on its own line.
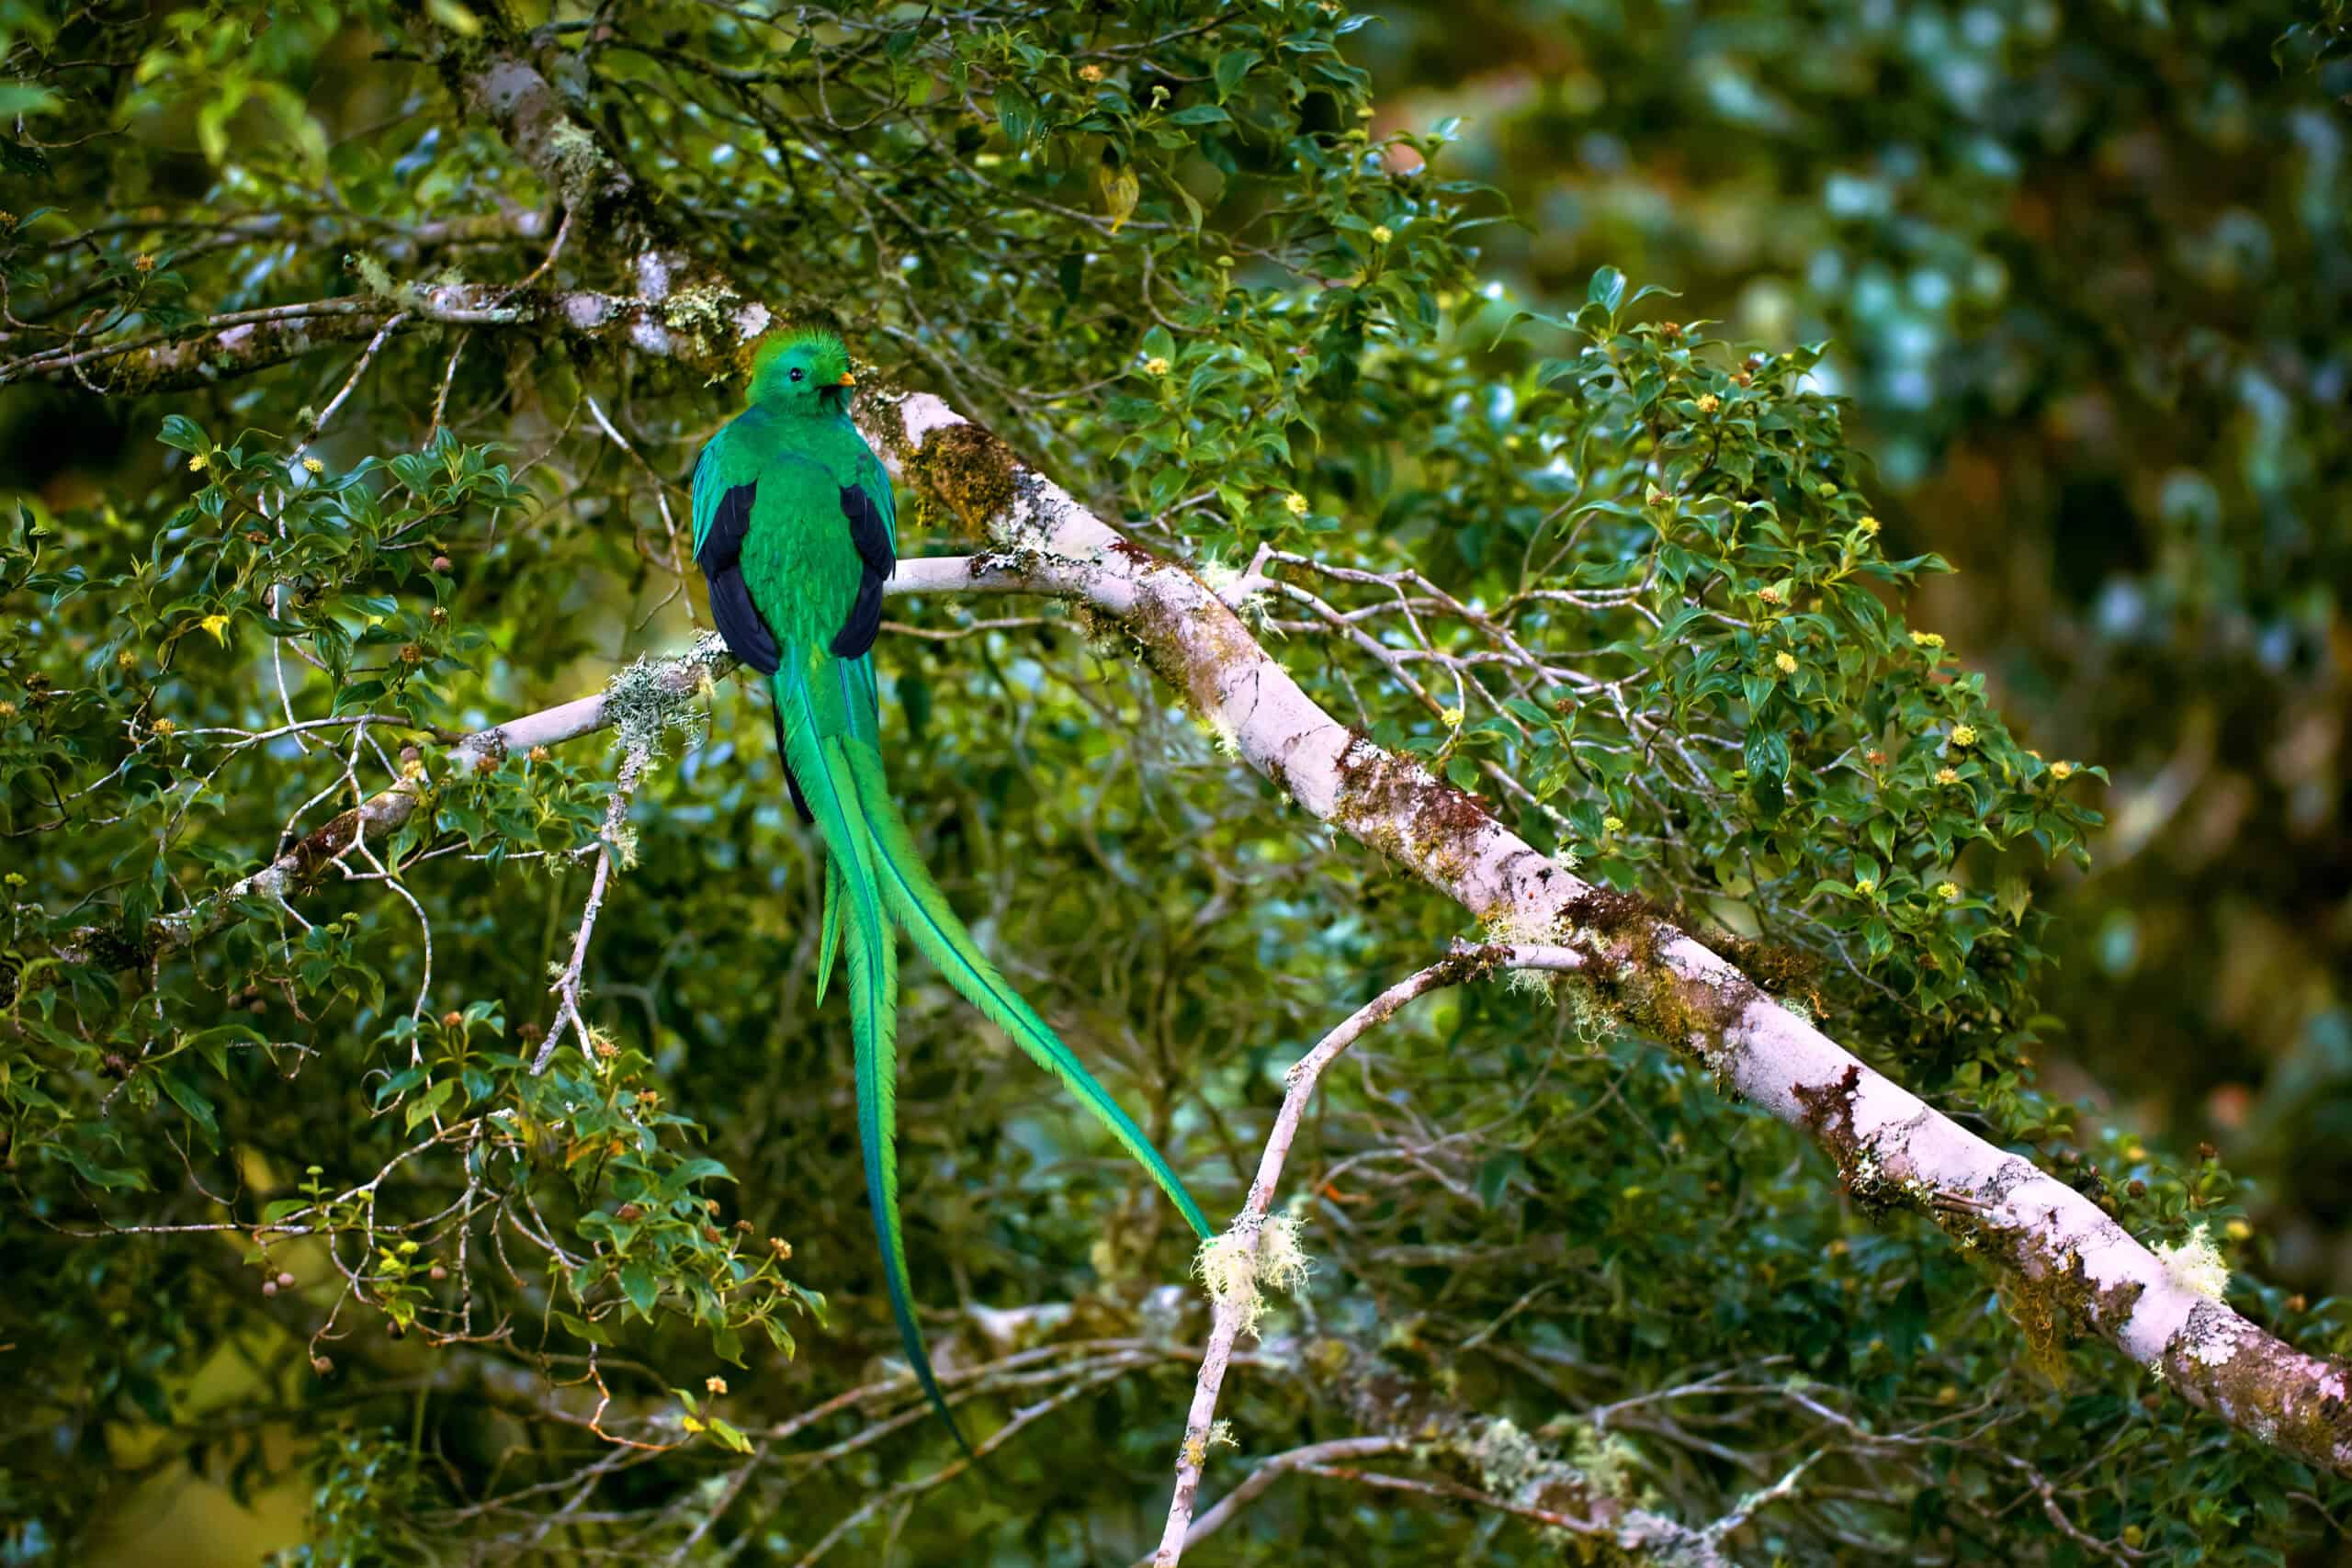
<point x="817" y="353"/>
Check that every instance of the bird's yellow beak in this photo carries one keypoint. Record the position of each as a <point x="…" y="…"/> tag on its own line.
<point x="847" y="380"/>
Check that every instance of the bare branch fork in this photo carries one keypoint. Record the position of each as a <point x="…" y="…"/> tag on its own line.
<point x="1235" y="1306"/>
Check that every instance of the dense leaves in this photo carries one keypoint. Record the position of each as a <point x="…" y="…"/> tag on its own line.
<point x="312" y="1224"/>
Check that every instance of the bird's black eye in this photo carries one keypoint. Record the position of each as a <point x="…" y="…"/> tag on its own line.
<point x="798" y="373"/>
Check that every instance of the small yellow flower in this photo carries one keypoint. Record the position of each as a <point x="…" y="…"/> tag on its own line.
<point x="1828" y="490"/>
<point x="143" y="263"/>
<point x="1947" y="891"/>
<point x="8" y="710"/>
<point x="216" y="625"/>
<point x="165" y="729"/>
<point x="1710" y="403"/>
<point x="1613" y="824"/>
<point x="1927" y="640"/>
<point x="2061" y="772"/>
<point x="1866" y="884"/>
<point x="1450" y="718"/>
<point x="126" y="659"/>
<point x="1089" y="72"/>
<point x="1947" y="775"/>
<point x="7" y="220"/>
<point x="1963" y="735"/>
<point x="2237" y="1230"/>
<point x="1156" y="365"/>
<point x="1770" y="594"/>
<point x="313" y="466"/>
<point x="1382" y="233"/>
<point x="716" y="1386"/>
<point x="1785" y="663"/>
<point x="1867" y="525"/>
<point x="1294" y="503"/>
<point x="196" y="462"/>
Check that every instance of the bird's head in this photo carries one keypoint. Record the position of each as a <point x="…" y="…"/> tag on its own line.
<point x="805" y="372"/>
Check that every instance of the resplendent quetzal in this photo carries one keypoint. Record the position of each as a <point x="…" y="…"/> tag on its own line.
<point x="795" y="531"/>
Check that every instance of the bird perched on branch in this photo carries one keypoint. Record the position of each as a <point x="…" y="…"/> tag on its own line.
<point x="795" y="532"/>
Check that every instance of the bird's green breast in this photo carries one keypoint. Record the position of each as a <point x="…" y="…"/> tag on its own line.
<point x="798" y="561"/>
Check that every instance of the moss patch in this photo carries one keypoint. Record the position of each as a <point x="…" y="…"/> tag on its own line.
<point x="966" y="470"/>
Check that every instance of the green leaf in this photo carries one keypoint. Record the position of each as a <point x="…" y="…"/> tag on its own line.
<point x="189" y="1099"/>
<point x="1607" y="290"/>
<point x="1231" y="66"/>
<point x="639" y="1284"/>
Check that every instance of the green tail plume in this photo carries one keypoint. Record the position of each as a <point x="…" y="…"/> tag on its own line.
<point x="819" y="762"/>
<point x="874" y="876"/>
<point x="921" y="908"/>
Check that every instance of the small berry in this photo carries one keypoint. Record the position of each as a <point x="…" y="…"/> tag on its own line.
<point x="630" y="1212"/>
<point x="451" y="1020"/>
<point x="441" y="565"/>
<point x="269" y="1287"/>
<point x="438" y="1272"/>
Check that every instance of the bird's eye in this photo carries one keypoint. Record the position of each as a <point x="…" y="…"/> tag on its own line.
<point x="798" y="373"/>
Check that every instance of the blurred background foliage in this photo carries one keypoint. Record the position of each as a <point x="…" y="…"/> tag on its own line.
<point x="2081" y="270"/>
<point x="2085" y="270"/>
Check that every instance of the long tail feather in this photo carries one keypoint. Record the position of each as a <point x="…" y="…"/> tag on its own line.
<point x="820" y="762"/>
<point x="829" y="940"/>
<point x="923" y="910"/>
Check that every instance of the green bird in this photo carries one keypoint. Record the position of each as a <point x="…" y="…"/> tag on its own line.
<point x="795" y="532"/>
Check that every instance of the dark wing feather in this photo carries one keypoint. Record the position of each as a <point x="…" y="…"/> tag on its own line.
<point x="869" y="531"/>
<point x="720" y="558"/>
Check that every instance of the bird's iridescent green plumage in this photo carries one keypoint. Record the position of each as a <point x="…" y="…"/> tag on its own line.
<point x="794" y="529"/>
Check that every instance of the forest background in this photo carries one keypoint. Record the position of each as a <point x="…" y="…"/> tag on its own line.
<point x="2081" y="274"/>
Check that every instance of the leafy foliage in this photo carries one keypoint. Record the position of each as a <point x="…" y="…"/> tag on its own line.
<point x="1622" y="575"/>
